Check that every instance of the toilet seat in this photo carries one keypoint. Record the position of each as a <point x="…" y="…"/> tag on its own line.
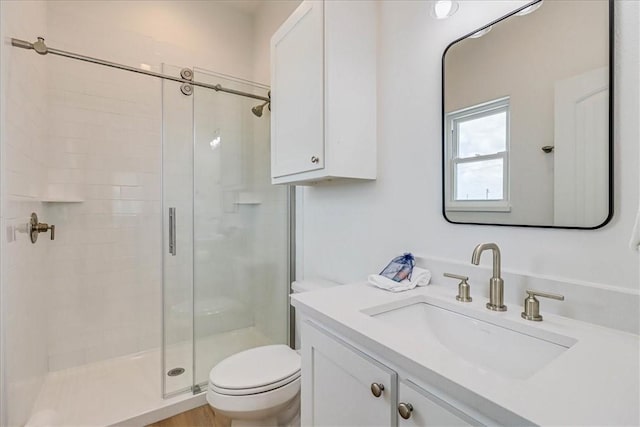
<point x="257" y="370"/>
<point x="254" y="390"/>
<point x="255" y="406"/>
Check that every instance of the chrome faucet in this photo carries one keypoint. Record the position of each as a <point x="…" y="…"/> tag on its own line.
<point x="496" y="284"/>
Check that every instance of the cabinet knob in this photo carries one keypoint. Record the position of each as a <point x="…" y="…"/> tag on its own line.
<point x="315" y="159"/>
<point x="405" y="410"/>
<point x="377" y="389"/>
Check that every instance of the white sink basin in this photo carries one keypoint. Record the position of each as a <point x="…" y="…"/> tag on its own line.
<point x="509" y="349"/>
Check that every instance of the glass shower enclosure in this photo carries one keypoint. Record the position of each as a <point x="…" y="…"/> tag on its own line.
<point x="225" y="230"/>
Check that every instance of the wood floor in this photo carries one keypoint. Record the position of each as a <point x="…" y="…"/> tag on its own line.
<point x="202" y="416"/>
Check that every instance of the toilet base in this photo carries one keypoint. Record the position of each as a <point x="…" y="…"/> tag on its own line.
<point x="268" y="400"/>
<point x="287" y="415"/>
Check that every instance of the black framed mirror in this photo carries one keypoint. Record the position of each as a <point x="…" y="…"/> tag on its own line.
<point x="527" y="113"/>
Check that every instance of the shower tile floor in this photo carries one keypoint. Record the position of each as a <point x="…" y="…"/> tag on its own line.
<point x="126" y="391"/>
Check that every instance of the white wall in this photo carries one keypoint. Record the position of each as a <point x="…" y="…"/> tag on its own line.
<point x="353" y="229"/>
<point x="268" y="18"/>
<point x="23" y="117"/>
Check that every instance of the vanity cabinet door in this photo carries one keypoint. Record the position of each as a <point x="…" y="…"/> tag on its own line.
<point x="337" y="384"/>
<point x="422" y="409"/>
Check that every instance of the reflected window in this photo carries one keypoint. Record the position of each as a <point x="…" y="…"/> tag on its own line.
<point x="478" y="158"/>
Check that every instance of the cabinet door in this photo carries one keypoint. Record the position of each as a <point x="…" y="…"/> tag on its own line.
<point x="337" y="381"/>
<point x="428" y="410"/>
<point x="297" y="92"/>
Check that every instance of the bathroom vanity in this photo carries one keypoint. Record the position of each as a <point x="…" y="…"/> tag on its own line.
<point x="420" y="358"/>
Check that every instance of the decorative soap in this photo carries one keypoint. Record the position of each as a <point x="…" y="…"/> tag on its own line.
<point x="399" y="268"/>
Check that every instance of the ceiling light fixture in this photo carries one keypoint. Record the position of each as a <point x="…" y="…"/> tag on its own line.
<point x="481" y="33"/>
<point x="444" y="8"/>
<point x="530" y="9"/>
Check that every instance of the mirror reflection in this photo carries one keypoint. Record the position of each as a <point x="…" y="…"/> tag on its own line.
<point x="526" y="119"/>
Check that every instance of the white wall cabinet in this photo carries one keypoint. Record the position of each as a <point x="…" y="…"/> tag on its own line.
<point x="323" y="93"/>
<point x="337" y="390"/>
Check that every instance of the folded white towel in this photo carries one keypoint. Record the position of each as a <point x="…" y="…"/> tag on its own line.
<point x="388" y="284"/>
<point x="419" y="277"/>
<point x="634" y="243"/>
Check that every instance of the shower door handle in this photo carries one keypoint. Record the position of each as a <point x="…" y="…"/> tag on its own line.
<point x="172" y="231"/>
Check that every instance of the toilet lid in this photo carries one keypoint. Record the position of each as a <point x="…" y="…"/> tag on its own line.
<point x="256" y="367"/>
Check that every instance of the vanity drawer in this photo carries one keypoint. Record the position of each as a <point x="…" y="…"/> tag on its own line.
<point x="417" y="407"/>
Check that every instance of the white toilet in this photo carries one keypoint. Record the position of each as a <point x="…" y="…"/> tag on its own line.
<point x="260" y="386"/>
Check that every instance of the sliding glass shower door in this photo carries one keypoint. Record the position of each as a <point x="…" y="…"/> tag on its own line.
<point x="226" y="230"/>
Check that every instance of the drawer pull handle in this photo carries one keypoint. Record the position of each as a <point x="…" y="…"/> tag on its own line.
<point x="377" y="389"/>
<point x="315" y="159"/>
<point x="405" y="410"/>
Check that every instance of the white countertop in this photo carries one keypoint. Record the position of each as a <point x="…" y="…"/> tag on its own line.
<point x="594" y="382"/>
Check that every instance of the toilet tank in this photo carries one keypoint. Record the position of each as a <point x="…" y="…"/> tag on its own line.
<point x="308" y="285"/>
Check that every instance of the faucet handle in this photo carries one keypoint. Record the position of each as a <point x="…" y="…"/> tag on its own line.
<point x="35" y="227"/>
<point x="532" y="305"/>
<point x="464" y="289"/>
<point x="456" y="276"/>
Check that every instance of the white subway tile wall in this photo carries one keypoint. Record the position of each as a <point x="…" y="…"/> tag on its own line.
<point x="105" y="151"/>
<point x="24" y="168"/>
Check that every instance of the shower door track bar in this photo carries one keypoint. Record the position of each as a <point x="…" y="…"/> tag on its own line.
<point x="43" y="49"/>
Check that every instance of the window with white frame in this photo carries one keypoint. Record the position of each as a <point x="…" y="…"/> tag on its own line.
<point x="478" y="148"/>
